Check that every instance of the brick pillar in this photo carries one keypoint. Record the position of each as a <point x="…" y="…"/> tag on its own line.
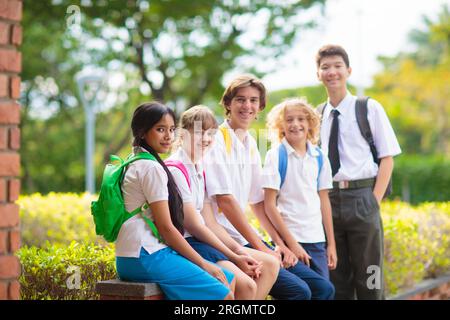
<point x="10" y="67"/>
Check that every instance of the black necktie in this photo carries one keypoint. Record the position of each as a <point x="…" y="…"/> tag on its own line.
<point x="333" y="152"/>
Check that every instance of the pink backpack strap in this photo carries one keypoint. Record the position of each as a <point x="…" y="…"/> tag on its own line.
<point x="204" y="179"/>
<point x="178" y="164"/>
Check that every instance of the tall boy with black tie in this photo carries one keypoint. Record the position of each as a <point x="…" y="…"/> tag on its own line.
<point x="359" y="183"/>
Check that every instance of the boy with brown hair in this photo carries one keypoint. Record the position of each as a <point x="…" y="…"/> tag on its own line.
<point x="234" y="180"/>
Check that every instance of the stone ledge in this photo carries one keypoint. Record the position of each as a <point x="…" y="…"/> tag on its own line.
<point x="117" y="289"/>
<point x="426" y="289"/>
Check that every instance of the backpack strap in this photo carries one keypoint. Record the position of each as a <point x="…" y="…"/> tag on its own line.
<point x="178" y="164"/>
<point x="149" y="222"/>
<point x="139" y="210"/>
<point x="226" y="137"/>
<point x="282" y="162"/>
<point x="363" y="124"/>
<point x="204" y="179"/>
<point x="320" y="164"/>
<point x="133" y="157"/>
<point x="320" y="110"/>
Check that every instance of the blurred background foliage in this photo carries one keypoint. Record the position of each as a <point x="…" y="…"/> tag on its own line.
<point x="174" y="51"/>
<point x="179" y="53"/>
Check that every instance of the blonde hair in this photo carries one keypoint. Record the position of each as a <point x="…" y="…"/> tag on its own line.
<point x="243" y="81"/>
<point x="275" y="119"/>
<point x="199" y="113"/>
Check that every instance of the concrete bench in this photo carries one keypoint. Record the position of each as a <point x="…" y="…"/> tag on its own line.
<point x="121" y="290"/>
<point x="429" y="289"/>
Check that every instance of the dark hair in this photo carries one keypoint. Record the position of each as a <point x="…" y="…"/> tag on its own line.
<point x="144" y="118"/>
<point x="332" y="50"/>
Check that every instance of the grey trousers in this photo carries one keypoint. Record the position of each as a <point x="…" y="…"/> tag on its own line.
<point x="358" y="231"/>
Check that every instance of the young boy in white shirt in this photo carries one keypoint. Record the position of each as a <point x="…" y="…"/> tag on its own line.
<point x="359" y="183"/>
<point x="234" y="180"/>
<point x="297" y="178"/>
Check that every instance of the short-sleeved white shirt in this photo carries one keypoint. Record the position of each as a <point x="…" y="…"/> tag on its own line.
<point x="196" y="193"/>
<point x="298" y="200"/>
<point x="354" y="152"/>
<point x="238" y="173"/>
<point x="144" y="181"/>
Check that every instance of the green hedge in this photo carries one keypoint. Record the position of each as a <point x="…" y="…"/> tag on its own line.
<point x="417" y="246"/>
<point x="417" y="243"/>
<point x="59" y="272"/>
<point x="59" y="218"/>
<point x="419" y="179"/>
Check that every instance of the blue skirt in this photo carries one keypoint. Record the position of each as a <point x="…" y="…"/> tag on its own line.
<point x="206" y="251"/>
<point x="178" y="278"/>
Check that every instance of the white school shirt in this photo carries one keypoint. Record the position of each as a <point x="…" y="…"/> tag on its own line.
<point x="238" y="173"/>
<point x="196" y="194"/>
<point x="298" y="199"/>
<point x="144" y="181"/>
<point x="354" y="151"/>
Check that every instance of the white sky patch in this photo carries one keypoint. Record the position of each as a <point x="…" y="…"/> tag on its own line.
<point x="365" y="28"/>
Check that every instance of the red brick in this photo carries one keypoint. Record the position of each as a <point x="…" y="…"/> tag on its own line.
<point x="3" y="242"/>
<point x="14" y="138"/>
<point x="11" y="9"/>
<point x="3" y="138"/>
<point x="14" y="290"/>
<point x="10" y="60"/>
<point x="9" y="113"/>
<point x="4" y="33"/>
<point x="16" y="35"/>
<point x="10" y="164"/>
<point x="3" y="290"/>
<point x="2" y="190"/>
<point x="14" y="190"/>
<point x="9" y="267"/>
<point x="4" y="90"/>
<point x="15" y="87"/>
<point x="9" y="215"/>
<point x="14" y="241"/>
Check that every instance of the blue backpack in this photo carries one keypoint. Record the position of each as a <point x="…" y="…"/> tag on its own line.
<point x="283" y="162"/>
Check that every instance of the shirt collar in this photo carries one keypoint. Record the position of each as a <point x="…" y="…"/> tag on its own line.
<point x="233" y="134"/>
<point x="138" y="149"/>
<point x="289" y="148"/>
<point x="343" y="107"/>
<point x="181" y="155"/>
<point x="310" y="148"/>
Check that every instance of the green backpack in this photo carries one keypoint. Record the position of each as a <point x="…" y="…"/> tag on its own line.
<point x="109" y="210"/>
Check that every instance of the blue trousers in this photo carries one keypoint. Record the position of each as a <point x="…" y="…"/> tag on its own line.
<point x="319" y="261"/>
<point x="300" y="283"/>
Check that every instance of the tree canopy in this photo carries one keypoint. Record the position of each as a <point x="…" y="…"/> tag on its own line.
<point x="414" y="87"/>
<point x="175" y="51"/>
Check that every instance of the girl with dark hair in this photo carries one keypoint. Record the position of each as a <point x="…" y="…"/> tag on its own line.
<point x="180" y="272"/>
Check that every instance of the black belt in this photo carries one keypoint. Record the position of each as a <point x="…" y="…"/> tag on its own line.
<point x="355" y="184"/>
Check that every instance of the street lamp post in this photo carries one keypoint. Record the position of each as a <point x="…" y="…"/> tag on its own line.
<point x="89" y="84"/>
